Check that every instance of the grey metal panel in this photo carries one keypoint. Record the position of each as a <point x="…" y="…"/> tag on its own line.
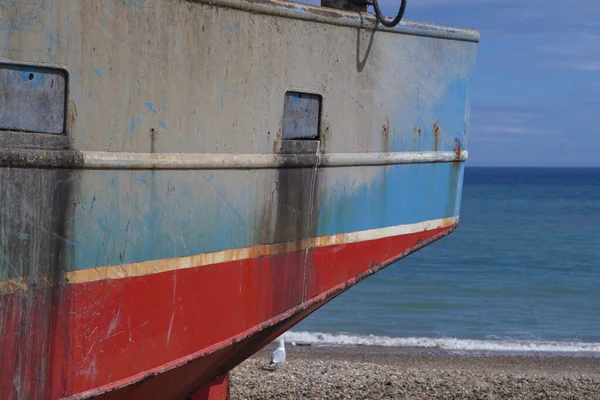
<point x="299" y="146"/>
<point x="301" y="115"/>
<point x="32" y="98"/>
<point x="32" y="140"/>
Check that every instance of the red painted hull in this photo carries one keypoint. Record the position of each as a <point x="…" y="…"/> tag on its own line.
<point x="165" y="335"/>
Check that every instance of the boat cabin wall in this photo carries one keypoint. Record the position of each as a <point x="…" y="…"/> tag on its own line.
<point x="192" y="77"/>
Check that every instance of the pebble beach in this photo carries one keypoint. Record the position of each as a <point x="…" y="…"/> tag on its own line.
<point x="352" y="373"/>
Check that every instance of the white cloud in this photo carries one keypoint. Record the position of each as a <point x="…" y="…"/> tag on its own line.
<point x="580" y="44"/>
<point x="515" y="117"/>
<point x="574" y="51"/>
<point x="511" y="130"/>
<point x="576" y="65"/>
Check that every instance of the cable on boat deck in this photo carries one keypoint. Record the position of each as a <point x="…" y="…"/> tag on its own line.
<point x="384" y="21"/>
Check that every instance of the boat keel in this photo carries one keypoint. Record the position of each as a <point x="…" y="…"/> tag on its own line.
<point x="217" y="389"/>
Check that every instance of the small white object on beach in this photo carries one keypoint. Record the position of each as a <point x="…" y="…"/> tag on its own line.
<point x="278" y="355"/>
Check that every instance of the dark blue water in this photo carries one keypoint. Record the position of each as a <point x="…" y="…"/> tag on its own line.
<point x="523" y="266"/>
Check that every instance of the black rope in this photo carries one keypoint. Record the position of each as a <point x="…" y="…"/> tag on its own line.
<point x="384" y="21"/>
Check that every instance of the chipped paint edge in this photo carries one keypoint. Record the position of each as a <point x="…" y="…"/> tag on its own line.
<point x="152" y="267"/>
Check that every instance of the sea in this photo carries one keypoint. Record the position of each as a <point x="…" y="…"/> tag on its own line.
<point x="520" y="274"/>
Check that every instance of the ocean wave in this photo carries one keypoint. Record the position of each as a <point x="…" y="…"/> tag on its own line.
<point x="341" y="339"/>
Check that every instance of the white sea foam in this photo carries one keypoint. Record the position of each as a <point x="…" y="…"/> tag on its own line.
<point x="329" y="339"/>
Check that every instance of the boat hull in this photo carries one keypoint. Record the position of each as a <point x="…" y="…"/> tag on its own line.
<point x="179" y="320"/>
<point x="175" y="226"/>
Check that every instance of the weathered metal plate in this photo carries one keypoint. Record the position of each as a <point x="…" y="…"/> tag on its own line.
<point x="292" y="146"/>
<point x="301" y="115"/>
<point x="32" y="99"/>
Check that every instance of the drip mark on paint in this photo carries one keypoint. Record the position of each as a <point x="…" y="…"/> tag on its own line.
<point x="114" y="322"/>
<point x="354" y="99"/>
<point x="226" y="90"/>
<point x="221" y="96"/>
<point x="173" y="308"/>
<point x="132" y="3"/>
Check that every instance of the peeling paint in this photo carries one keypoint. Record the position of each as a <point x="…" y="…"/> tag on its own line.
<point x="150" y="107"/>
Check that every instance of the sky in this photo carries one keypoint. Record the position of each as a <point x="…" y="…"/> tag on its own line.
<point x="535" y="99"/>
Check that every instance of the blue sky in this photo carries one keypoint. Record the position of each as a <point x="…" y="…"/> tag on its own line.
<point x="536" y="91"/>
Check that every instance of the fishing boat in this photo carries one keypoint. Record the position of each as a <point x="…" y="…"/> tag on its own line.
<point x="183" y="181"/>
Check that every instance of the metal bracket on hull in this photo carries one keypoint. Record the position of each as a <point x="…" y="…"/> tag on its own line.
<point x="299" y="146"/>
<point x="301" y="116"/>
<point x="33" y="98"/>
<point x="348" y="5"/>
<point x="34" y="106"/>
<point x="217" y="389"/>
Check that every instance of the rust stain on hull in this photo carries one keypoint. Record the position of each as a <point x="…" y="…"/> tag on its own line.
<point x="436" y="136"/>
<point x="37" y="255"/>
<point x="417" y="135"/>
<point x="386" y="134"/>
